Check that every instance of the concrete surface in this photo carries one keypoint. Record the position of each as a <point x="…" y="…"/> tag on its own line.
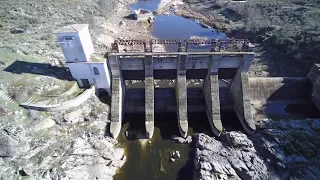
<point x="181" y="95"/>
<point x="240" y="89"/>
<point x="149" y="96"/>
<point x="117" y="97"/>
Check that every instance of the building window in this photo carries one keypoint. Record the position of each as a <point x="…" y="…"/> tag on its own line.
<point x="68" y="38"/>
<point x="96" y="71"/>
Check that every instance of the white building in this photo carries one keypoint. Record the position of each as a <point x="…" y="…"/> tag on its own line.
<point x="86" y="67"/>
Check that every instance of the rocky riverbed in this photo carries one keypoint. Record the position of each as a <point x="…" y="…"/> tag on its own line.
<point x="284" y="149"/>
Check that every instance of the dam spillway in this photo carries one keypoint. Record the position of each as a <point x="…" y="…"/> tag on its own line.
<point x="229" y="60"/>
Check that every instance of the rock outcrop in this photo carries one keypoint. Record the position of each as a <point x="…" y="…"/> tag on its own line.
<point x="236" y="160"/>
<point x="65" y="145"/>
<point x="276" y="151"/>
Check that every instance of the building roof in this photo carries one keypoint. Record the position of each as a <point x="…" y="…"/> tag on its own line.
<point x="72" y="28"/>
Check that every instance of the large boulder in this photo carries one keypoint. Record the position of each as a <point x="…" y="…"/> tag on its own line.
<point x="216" y="160"/>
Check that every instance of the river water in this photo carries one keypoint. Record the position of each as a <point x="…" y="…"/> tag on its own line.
<point x="150" y="159"/>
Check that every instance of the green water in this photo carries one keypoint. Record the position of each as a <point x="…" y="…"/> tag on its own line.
<point x="150" y="159"/>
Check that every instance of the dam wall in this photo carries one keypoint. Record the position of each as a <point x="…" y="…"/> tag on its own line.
<point x="226" y="83"/>
<point x="263" y="90"/>
<point x="286" y="90"/>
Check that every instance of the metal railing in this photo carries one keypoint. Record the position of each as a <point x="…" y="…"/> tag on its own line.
<point x="188" y="45"/>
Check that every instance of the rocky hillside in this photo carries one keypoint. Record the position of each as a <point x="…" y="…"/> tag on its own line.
<point x="287" y="31"/>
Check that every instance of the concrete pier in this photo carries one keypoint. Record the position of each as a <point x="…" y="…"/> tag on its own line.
<point x="117" y="96"/>
<point x="181" y="95"/>
<point x="314" y="76"/>
<point x="240" y="90"/>
<point x="211" y="95"/>
<point x="149" y="95"/>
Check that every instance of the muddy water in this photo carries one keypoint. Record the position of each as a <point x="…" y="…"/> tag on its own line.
<point x="150" y="159"/>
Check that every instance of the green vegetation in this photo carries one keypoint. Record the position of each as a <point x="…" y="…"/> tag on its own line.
<point x="288" y="30"/>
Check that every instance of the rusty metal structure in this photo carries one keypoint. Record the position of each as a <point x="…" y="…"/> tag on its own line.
<point x="188" y="45"/>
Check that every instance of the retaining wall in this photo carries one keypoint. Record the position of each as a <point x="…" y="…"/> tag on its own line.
<point x="288" y="90"/>
<point x="75" y="102"/>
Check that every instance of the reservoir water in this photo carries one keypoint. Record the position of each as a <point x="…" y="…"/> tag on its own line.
<point x="173" y="26"/>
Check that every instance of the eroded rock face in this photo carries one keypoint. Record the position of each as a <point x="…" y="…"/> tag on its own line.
<point x="290" y="143"/>
<point x="215" y="160"/>
<point x="275" y="151"/>
<point x="93" y="159"/>
<point x="49" y="148"/>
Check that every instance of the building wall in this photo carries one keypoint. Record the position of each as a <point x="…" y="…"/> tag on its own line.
<point x="86" y="42"/>
<point x="85" y="71"/>
<point x="72" y="51"/>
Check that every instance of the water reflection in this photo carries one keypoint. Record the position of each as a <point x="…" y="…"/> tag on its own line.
<point x="176" y="27"/>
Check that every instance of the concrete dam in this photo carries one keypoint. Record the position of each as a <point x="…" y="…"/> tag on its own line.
<point x="222" y="64"/>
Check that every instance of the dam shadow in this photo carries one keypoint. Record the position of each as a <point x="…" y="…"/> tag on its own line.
<point x="231" y="122"/>
<point x="287" y="111"/>
<point x="133" y="126"/>
<point x="167" y="123"/>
